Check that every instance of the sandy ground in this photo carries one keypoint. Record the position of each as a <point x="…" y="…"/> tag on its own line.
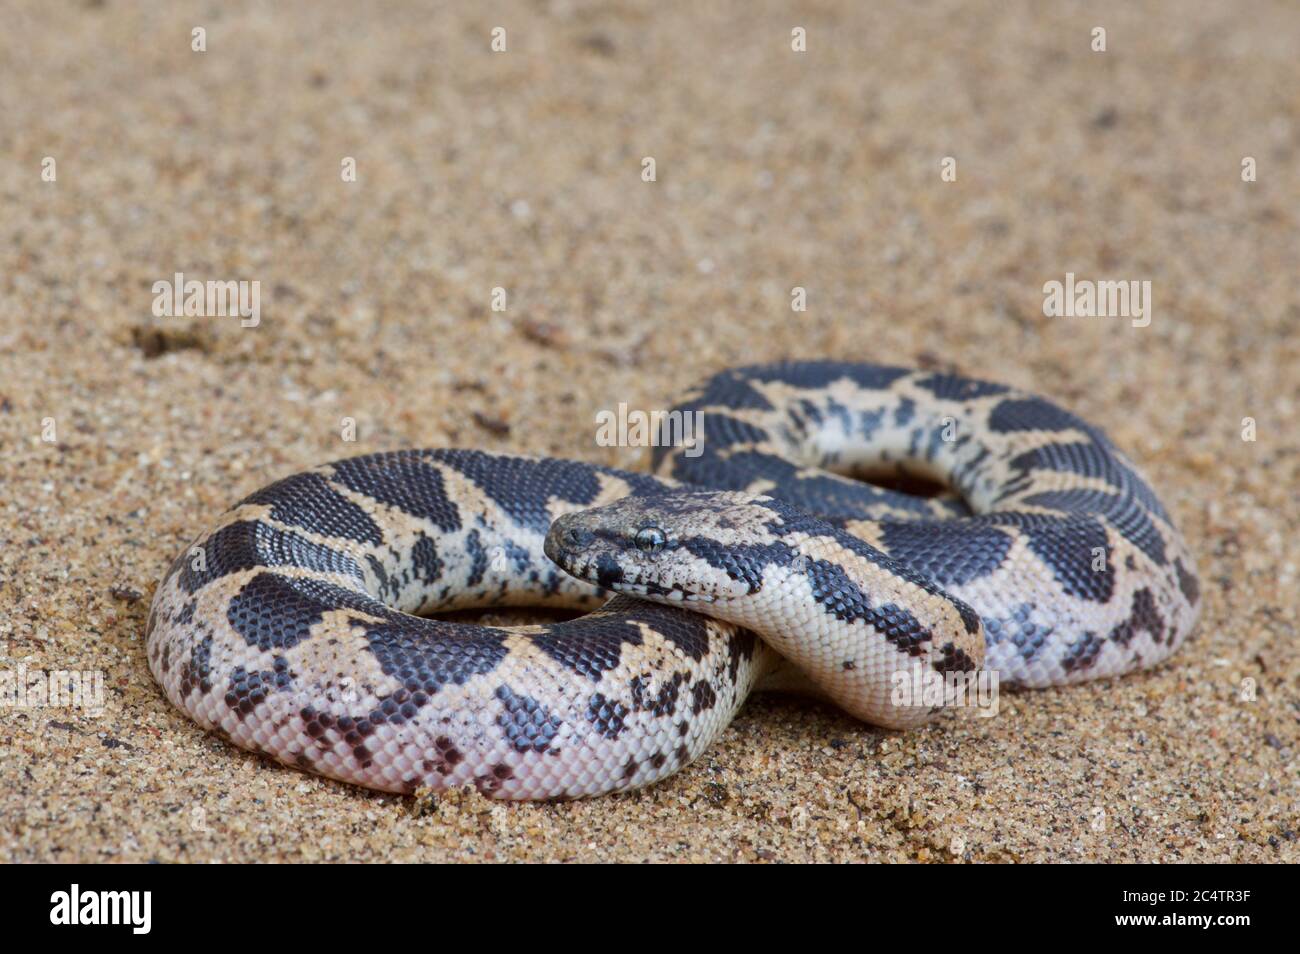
<point x="121" y="432"/>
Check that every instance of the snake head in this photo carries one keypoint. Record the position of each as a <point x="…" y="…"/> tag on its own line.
<point x="677" y="547"/>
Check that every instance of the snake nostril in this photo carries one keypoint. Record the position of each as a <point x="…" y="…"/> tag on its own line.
<point x="577" y="537"/>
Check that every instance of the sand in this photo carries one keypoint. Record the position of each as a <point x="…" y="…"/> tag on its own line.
<point x="523" y="170"/>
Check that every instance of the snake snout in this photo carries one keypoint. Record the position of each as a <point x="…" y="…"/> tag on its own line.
<point x="566" y="538"/>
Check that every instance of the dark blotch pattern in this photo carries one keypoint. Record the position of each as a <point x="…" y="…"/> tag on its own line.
<point x="1125" y="514"/>
<point x="901" y="628"/>
<point x="196" y="672"/>
<point x="791" y="520"/>
<point x="831" y="586"/>
<point x="445" y="757"/>
<point x="1095" y="459"/>
<point x="710" y="467"/>
<point x="426" y="658"/>
<point x="824" y="494"/>
<point x="743" y="563"/>
<point x="905" y="412"/>
<point x="1083" y="653"/>
<point x="589" y="646"/>
<point x="247" y="690"/>
<point x="478" y="565"/>
<point x="1020" y="630"/>
<point x="1129" y="509"/>
<point x="308" y="501"/>
<point x="528" y="725"/>
<point x="522" y="487"/>
<point x="404" y="480"/>
<point x="661" y="703"/>
<point x="491" y="783"/>
<point x="273" y="612"/>
<point x="952" y="387"/>
<point x="740" y="649"/>
<point x="608" y="570"/>
<point x="687" y="631"/>
<point x="248" y="544"/>
<point x="702" y="697"/>
<point x="231" y="549"/>
<point x="606" y="715"/>
<point x="735" y="388"/>
<point x="424" y="557"/>
<point x="185" y="615"/>
<point x="950" y="553"/>
<point x="730" y="389"/>
<point x="1037" y="414"/>
<point x="821" y="374"/>
<point x="1143" y="617"/>
<point x="952" y="659"/>
<point x="398" y="707"/>
<point x="1068" y="547"/>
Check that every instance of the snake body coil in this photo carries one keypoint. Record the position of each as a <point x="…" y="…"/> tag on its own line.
<point x="295" y="626"/>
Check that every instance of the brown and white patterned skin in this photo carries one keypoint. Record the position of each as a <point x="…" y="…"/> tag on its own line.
<point x="1054" y="537"/>
<point x="847" y="616"/>
<point x="296" y="624"/>
<point x="286" y="629"/>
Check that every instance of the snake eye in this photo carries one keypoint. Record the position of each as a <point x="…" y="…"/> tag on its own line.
<point x="650" y="539"/>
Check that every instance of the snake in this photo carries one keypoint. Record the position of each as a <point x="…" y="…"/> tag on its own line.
<point x="844" y="529"/>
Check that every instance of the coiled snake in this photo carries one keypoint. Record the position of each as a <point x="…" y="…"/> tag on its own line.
<point x="295" y="625"/>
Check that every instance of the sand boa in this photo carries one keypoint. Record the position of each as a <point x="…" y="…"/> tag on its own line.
<point x="287" y="627"/>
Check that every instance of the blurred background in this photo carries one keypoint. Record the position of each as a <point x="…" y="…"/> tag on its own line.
<point x="387" y="176"/>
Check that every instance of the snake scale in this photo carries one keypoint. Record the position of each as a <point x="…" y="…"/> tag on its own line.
<point x="297" y="625"/>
